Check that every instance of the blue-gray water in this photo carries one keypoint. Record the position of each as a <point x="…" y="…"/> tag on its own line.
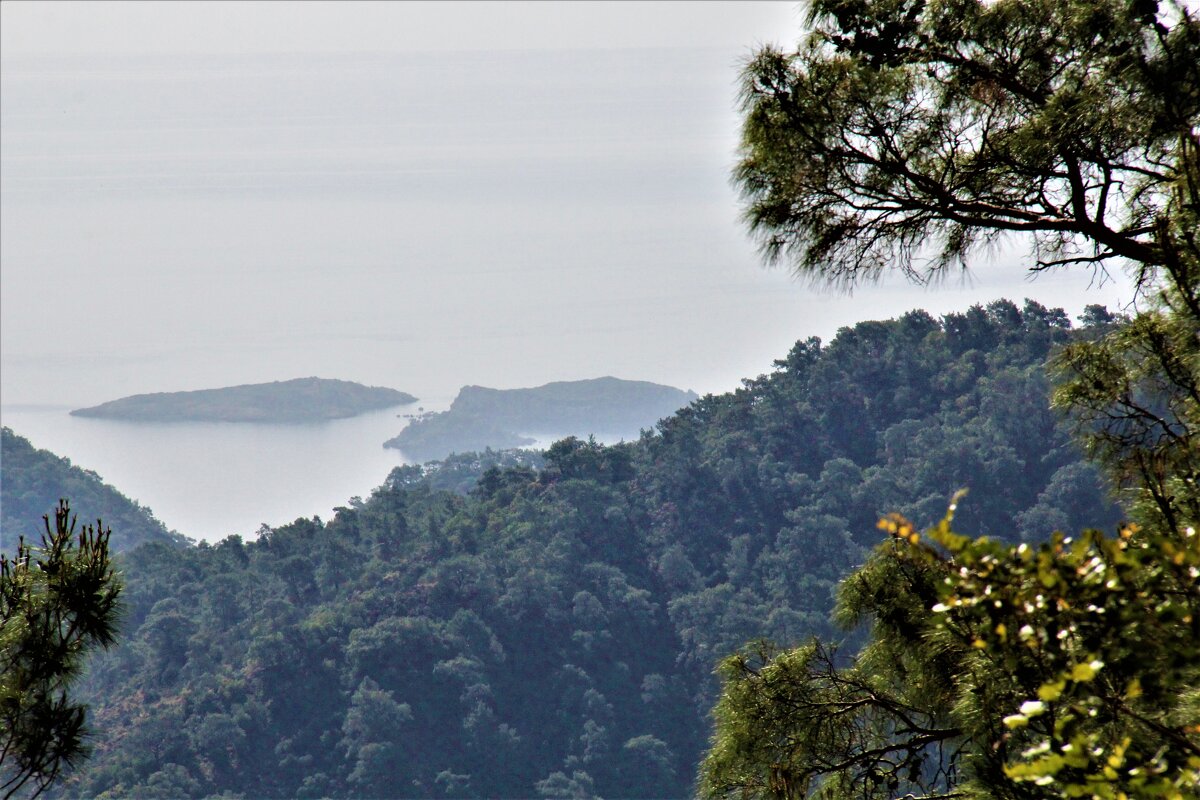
<point x="418" y="221"/>
<point x="210" y="480"/>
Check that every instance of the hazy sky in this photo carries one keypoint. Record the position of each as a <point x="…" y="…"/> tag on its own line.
<point x="91" y="27"/>
<point x="417" y="195"/>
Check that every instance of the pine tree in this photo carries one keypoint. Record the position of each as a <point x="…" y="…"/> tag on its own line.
<point x="57" y="602"/>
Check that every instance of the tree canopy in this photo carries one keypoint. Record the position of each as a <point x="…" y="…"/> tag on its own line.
<point x="1064" y="669"/>
<point x="906" y="133"/>
<point x="1068" y="667"/>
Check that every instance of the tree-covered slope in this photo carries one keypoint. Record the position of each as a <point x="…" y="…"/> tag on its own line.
<point x="33" y="480"/>
<point x="554" y="631"/>
<point x="298" y="400"/>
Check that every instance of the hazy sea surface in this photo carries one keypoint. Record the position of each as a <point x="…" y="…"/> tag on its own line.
<point x="208" y="480"/>
<point x="420" y="221"/>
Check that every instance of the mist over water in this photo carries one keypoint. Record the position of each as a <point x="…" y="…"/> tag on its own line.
<point x="418" y="221"/>
<point x="211" y="480"/>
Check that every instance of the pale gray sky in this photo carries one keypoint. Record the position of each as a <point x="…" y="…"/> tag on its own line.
<point x="418" y="195"/>
<point x="224" y="27"/>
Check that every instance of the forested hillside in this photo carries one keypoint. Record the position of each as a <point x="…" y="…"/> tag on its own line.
<point x="554" y="631"/>
<point x="33" y="480"/>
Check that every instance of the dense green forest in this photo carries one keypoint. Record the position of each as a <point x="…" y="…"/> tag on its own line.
<point x="480" y="417"/>
<point x="298" y="400"/>
<point x="553" y="630"/>
<point x="33" y="480"/>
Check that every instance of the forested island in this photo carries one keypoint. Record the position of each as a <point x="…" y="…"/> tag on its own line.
<point x="481" y="418"/>
<point x="549" y="628"/>
<point x="298" y="400"/>
<point x="33" y="480"/>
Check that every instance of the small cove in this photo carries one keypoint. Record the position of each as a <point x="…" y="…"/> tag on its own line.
<point x="208" y="480"/>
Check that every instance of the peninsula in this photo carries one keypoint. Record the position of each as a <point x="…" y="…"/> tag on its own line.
<point x="609" y="408"/>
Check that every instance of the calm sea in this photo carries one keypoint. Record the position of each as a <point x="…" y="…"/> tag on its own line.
<point x="210" y="480"/>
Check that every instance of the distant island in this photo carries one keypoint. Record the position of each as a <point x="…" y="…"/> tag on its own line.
<point x="299" y="400"/>
<point x="481" y="418"/>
